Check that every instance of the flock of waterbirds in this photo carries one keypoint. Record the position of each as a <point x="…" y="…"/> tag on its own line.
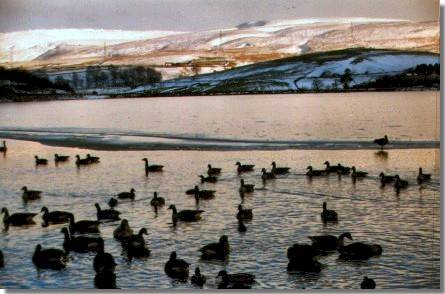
<point x="302" y="257"/>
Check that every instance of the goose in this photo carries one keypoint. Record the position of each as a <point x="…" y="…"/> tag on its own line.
<point x="423" y="177"/>
<point x="50" y="258"/>
<point x="244" y="214"/>
<point x="209" y="179"/>
<point x="135" y="246"/>
<point x="81" y="161"/>
<point x="17" y="219"/>
<point x="367" y="283"/>
<point x="332" y="168"/>
<point x="244" y="167"/>
<point x="204" y="194"/>
<point x="213" y="170"/>
<point x="305" y="264"/>
<point x="40" y="161"/>
<point x="60" y="158"/>
<point x="359" y="251"/>
<point x="385" y="179"/>
<point x="103" y="261"/>
<point x="358" y="174"/>
<point x="329" y="242"/>
<point x="343" y="170"/>
<point x="266" y="175"/>
<point x="185" y="215"/>
<point x="123" y="231"/>
<point x="191" y="191"/>
<point x="157" y="201"/>
<point x="2" y="260"/>
<point x="313" y="172"/>
<point x="81" y="244"/>
<point x="105" y="280"/>
<point x="127" y="195"/>
<point x="30" y="194"/>
<point x="83" y="226"/>
<point x="198" y="279"/>
<point x="55" y="217"/>
<point x="279" y="170"/>
<point x="328" y="215"/>
<point x="246" y="188"/>
<point x="237" y="280"/>
<point x="112" y="203"/>
<point x="152" y="168"/>
<point x="241" y="227"/>
<point x="107" y="213"/>
<point x="3" y="148"/>
<point x="176" y="268"/>
<point x="381" y="141"/>
<point x="218" y="250"/>
<point x="301" y="251"/>
<point x="399" y="183"/>
<point x="92" y="159"/>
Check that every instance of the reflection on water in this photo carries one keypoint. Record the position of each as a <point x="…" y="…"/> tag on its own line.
<point x="286" y="211"/>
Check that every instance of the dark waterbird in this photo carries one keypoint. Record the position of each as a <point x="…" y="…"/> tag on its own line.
<point x="218" y="250"/>
<point x="381" y="141"/>
<point x="421" y="177"/>
<point x="81" y="161"/>
<point x="244" y="214"/>
<point x="235" y="281"/>
<point x="332" y="168"/>
<point x="329" y="242"/>
<point x="105" y="280"/>
<point x="301" y="251"/>
<point x="40" y="161"/>
<point x="241" y="227"/>
<point x="112" y="203"/>
<point x="244" y="167"/>
<point x="399" y="183"/>
<point x="135" y="246"/>
<point x="81" y="244"/>
<point x="55" y="217"/>
<point x="279" y="170"/>
<point x="385" y="179"/>
<point x="204" y="194"/>
<point x="367" y="283"/>
<point x="209" y="179"/>
<point x="106" y="214"/>
<point x="303" y="257"/>
<point x="328" y="215"/>
<point x="2" y="260"/>
<point x="314" y="172"/>
<point x="92" y="159"/>
<point x="29" y="195"/>
<point x="50" y="258"/>
<point x="127" y="195"/>
<point x="213" y="170"/>
<point x="3" y="148"/>
<point x="84" y="226"/>
<point x="157" y="201"/>
<point x="152" y="168"/>
<point x="246" y="188"/>
<point x="123" y="231"/>
<point x="267" y="175"/>
<point x="103" y="261"/>
<point x="198" y="279"/>
<point x="187" y="215"/>
<point x="358" y="174"/>
<point x="176" y="268"/>
<point x="17" y="219"/>
<point x="60" y="158"/>
<point x="359" y="251"/>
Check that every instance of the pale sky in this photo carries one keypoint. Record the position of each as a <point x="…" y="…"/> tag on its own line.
<point x="195" y="15"/>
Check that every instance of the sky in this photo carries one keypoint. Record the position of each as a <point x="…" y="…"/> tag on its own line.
<point x="195" y="15"/>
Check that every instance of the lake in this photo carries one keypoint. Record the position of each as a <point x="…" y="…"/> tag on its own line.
<point x="185" y="134"/>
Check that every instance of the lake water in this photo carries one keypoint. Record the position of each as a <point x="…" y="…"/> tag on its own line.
<point x="293" y="130"/>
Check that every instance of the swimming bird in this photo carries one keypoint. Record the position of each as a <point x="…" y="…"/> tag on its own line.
<point x="244" y="214"/>
<point x="83" y="226"/>
<point x="385" y="179"/>
<point x="157" y="201"/>
<point x="110" y="214"/>
<point x="359" y="251"/>
<point x="135" y="246"/>
<point x="112" y="203"/>
<point x="209" y="179"/>
<point x="381" y="141"/>
<point x="305" y="264"/>
<point x="301" y="251"/>
<point x="152" y="168"/>
<point x="358" y="174"/>
<point x="218" y="250"/>
<point x="399" y="183"/>
<point x="279" y="170"/>
<point x="423" y="177"/>
<point x="3" y="148"/>
<point x="213" y="170"/>
<point x="81" y="244"/>
<point x="235" y="281"/>
<point x="303" y="257"/>
<point x="105" y="280"/>
<point x="244" y="167"/>
<point x="241" y="227"/>
<point x="123" y="231"/>
<point x="55" y="217"/>
<point x="332" y="168"/>
<point x="185" y="215"/>
<point x="50" y="258"/>
<point x="328" y="215"/>
<point x="103" y="261"/>
<point x="40" y="161"/>
<point x="329" y="242"/>
<point x="198" y="279"/>
<point x="314" y="172"/>
<point x="2" y="260"/>
<point x="17" y="219"/>
<point x="267" y="175"/>
<point x="204" y="194"/>
<point x="367" y="283"/>
<point x="127" y="195"/>
<point x="92" y="159"/>
<point x="30" y="194"/>
<point x="60" y="158"/>
<point x="176" y="268"/>
<point x="81" y="161"/>
<point x="246" y="188"/>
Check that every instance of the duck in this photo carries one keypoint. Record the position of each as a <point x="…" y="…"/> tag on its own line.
<point x="92" y="159"/>
<point x="399" y="183"/>
<point x="358" y="174"/>
<point x="152" y="168"/>
<point x="423" y="177"/>
<point x="2" y="260"/>
<point x="209" y="179"/>
<point x="185" y="215"/>
<point x="218" y="250"/>
<point x="107" y="213"/>
<point x="112" y="203"/>
<point x="83" y="226"/>
<point x="359" y="251"/>
<point x="246" y="188"/>
<point x="304" y="265"/>
<point x="198" y="279"/>
<point x="81" y="244"/>
<point x="385" y="179"/>
<point x="123" y="231"/>
<point x="343" y="170"/>
<point x="105" y="280"/>
<point x="55" y="217"/>
<point x="332" y="168"/>
<point x="29" y="195"/>
<point x="381" y="141"/>
<point x="127" y="195"/>
<point x="279" y="170"/>
<point x="367" y="283"/>
<point x="267" y="175"/>
<point x="50" y="258"/>
<point x="328" y="215"/>
<point x="244" y="214"/>
<point x="204" y="194"/>
<point x="157" y="201"/>
<point x="135" y="246"/>
<point x="314" y="172"/>
<point x="244" y="167"/>
<point x="213" y="170"/>
<point x="241" y="227"/>
<point x="176" y="268"/>
<point x="301" y="251"/>
<point x="40" y="161"/>
<point x="60" y="158"/>
<point x="3" y="148"/>
<point x="81" y="161"/>
<point x="329" y="242"/>
<point x="17" y="219"/>
<point x="235" y="281"/>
